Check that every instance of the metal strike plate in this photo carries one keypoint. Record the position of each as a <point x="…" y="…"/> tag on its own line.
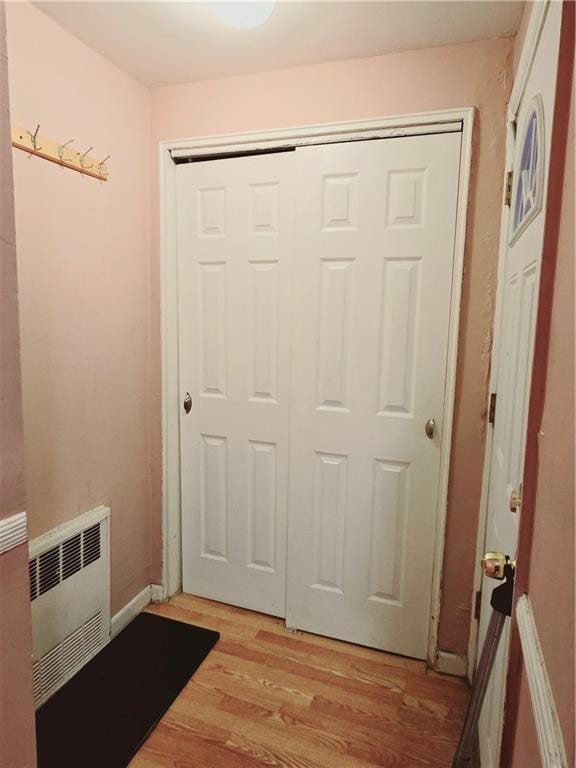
<point x="516" y="499"/>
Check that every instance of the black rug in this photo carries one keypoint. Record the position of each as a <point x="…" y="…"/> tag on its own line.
<point x="100" y="717"/>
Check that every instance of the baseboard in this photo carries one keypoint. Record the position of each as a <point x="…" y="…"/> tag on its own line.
<point x="157" y="593"/>
<point x="130" y="611"/>
<point x="13" y="532"/>
<point x="548" y="730"/>
<point x="451" y="664"/>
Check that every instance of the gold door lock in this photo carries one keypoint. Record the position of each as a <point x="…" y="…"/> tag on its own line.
<point x="494" y="564"/>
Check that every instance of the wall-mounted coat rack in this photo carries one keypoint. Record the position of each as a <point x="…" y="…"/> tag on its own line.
<point x="61" y="154"/>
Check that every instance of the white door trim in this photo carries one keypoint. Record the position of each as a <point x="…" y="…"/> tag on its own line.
<point x="550" y="740"/>
<point x="426" y="122"/>
<point x="533" y="33"/>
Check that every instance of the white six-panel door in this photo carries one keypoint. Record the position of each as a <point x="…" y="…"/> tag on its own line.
<point x="235" y="241"/>
<point x="374" y="257"/>
<point x="305" y="463"/>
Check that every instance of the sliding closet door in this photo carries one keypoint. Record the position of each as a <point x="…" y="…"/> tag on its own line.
<point x="373" y="267"/>
<point x="235" y="241"/>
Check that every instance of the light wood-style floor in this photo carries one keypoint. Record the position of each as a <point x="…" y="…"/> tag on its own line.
<point x="265" y="697"/>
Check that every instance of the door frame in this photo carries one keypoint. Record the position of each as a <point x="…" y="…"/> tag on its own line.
<point x="460" y="120"/>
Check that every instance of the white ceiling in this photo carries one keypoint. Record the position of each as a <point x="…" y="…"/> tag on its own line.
<point x="161" y="43"/>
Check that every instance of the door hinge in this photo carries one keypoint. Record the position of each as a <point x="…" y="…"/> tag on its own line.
<point x="492" y="408"/>
<point x="477" y="605"/>
<point x="508" y="193"/>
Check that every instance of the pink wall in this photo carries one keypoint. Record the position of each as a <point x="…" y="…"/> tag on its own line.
<point x="17" y="736"/>
<point x="471" y="74"/>
<point x="551" y="589"/>
<point x="84" y="262"/>
<point x="90" y="281"/>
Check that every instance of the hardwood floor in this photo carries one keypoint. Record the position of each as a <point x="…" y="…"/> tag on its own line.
<point x="265" y="697"/>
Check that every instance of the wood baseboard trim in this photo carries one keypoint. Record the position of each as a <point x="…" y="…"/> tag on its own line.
<point x="130" y="611"/>
<point x="158" y="593"/>
<point x="13" y="532"/>
<point x="550" y="740"/>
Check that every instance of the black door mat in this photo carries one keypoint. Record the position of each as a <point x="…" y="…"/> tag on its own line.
<point x="100" y="717"/>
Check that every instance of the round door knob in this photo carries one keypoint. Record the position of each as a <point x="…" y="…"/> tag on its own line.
<point x="187" y="403"/>
<point x="494" y="565"/>
<point x="430" y="428"/>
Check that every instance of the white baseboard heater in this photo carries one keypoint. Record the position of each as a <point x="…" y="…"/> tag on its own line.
<point x="70" y="598"/>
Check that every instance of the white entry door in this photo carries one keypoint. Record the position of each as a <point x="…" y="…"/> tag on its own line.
<point x="518" y="312"/>
<point x="374" y="259"/>
<point x="235" y="241"/>
<point x="362" y="235"/>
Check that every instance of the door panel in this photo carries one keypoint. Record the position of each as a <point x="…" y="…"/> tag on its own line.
<point x="363" y="236"/>
<point x="373" y="261"/>
<point x="235" y="230"/>
<point x="519" y="299"/>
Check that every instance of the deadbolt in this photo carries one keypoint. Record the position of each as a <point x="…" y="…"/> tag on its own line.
<point x="430" y="428"/>
<point x="516" y="499"/>
<point x="187" y="402"/>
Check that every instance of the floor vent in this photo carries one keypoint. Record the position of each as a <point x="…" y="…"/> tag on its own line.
<point x="70" y="595"/>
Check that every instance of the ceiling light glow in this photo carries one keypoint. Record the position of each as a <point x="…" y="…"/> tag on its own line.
<point x="243" y="15"/>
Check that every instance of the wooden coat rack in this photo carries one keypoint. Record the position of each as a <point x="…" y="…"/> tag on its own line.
<point x="61" y="154"/>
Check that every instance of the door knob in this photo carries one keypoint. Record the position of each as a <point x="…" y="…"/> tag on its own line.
<point x="430" y="428"/>
<point x="187" y="402"/>
<point x="494" y="564"/>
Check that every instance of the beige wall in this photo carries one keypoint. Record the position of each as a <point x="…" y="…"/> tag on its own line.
<point x="551" y="583"/>
<point x="17" y="737"/>
<point x="471" y="74"/>
<point x="84" y="263"/>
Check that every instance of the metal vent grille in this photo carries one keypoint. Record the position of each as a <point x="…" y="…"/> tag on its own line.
<point x="59" y="664"/>
<point x="91" y="545"/>
<point x="71" y="556"/>
<point x="51" y="568"/>
<point x="33" y="572"/>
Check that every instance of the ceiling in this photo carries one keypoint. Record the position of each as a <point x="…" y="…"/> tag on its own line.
<point x="161" y="43"/>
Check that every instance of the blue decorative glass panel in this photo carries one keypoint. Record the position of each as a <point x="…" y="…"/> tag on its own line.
<point x="528" y="171"/>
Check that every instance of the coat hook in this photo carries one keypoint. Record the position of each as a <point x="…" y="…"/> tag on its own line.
<point x="62" y="147"/>
<point x="33" y="138"/>
<point x="83" y="156"/>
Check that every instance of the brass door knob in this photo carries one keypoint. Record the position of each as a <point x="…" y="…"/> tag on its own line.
<point x="494" y="563"/>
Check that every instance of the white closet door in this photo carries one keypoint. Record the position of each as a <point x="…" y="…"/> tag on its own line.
<point x="373" y="266"/>
<point x="235" y="234"/>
